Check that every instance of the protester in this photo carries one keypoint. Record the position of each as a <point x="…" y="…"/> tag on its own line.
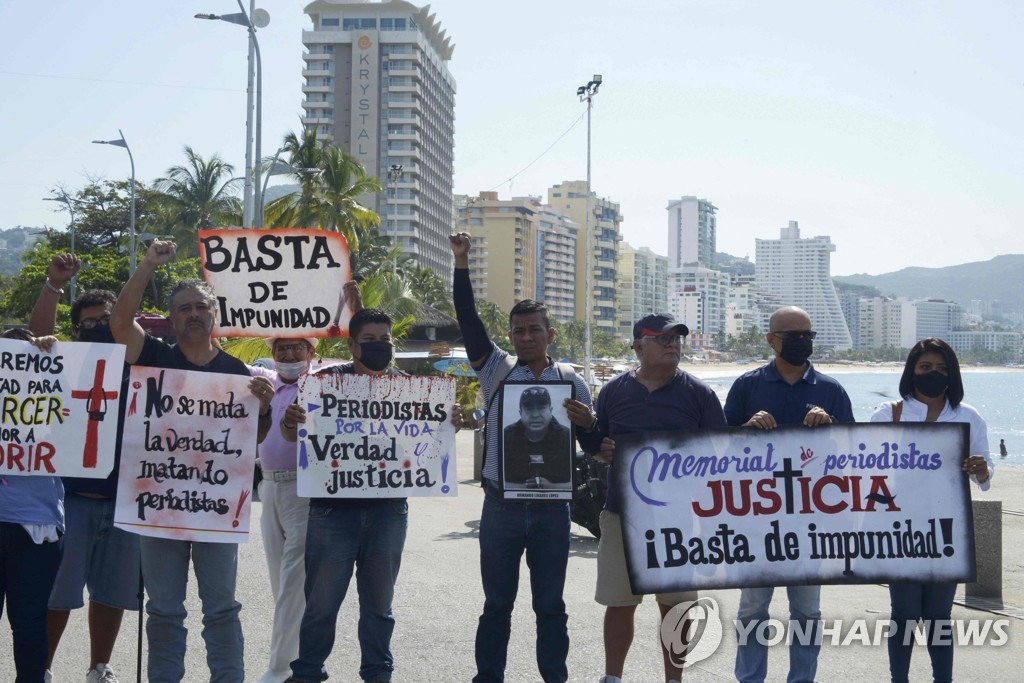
<point x="537" y="448"/>
<point x="285" y="514"/>
<point x="96" y="554"/>
<point x="510" y="527"/>
<point x="786" y="391"/>
<point x="31" y="545"/>
<point x="655" y="396"/>
<point x="932" y="391"/>
<point x="366" y="535"/>
<point x="165" y="562"/>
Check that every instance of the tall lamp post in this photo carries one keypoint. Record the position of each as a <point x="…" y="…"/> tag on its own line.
<point x="586" y="94"/>
<point x="131" y="219"/>
<point x="66" y="200"/>
<point x="252" y="207"/>
<point x="394" y="175"/>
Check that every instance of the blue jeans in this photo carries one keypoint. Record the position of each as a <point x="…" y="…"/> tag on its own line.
<point x="507" y="529"/>
<point x="165" y="574"/>
<point x="752" y="657"/>
<point x="932" y="602"/>
<point x="371" y="539"/>
<point x="27" y="571"/>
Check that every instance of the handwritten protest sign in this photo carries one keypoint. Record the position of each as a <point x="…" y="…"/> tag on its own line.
<point x="58" y="409"/>
<point x="376" y="437"/>
<point x="273" y="281"/>
<point x="861" y="503"/>
<point x="188" y="456"/>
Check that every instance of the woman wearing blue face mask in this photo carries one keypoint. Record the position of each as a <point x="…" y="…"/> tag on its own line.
<point x="932" y="391"/>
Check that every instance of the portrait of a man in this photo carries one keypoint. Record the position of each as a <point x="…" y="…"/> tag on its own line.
<point x="537" y="447"/>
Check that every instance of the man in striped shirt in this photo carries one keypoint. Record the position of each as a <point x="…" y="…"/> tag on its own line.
<point x="509" y="527"/>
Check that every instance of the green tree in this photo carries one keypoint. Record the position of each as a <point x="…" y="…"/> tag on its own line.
<point x="198" y="195"/>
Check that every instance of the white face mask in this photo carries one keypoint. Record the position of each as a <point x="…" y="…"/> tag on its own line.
<point x="291" y="371"/>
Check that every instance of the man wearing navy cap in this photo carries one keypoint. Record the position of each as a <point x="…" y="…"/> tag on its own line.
<point x="536" y="447"/>
<point x="656" y="396"/>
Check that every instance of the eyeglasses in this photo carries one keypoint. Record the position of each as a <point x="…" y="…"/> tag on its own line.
<point x="298" y="349"/>
<point x="89" y="323"/>
<point x="664" y="339"/>
<point x="796" y="334"/>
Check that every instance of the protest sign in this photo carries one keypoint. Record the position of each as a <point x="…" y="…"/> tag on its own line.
<point x="728" y="508"/>
<point x="536" y="445"/>
<point x="188" y="455"/>
<point x="270" y="282"/>
<point x="376" y="437"/>
<point x="58" y="409"/>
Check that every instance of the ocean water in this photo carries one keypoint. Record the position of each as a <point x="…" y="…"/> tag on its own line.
<point x="997" y="395"/>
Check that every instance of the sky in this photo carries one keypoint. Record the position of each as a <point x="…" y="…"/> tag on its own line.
<point x="893" y="127"/>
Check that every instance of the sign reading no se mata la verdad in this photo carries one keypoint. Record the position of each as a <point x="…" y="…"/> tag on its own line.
<point x="59" y="409"/>
<point x="271" y="283"/>
<point x="188" y="455"/>
<point x="860" y="503"/>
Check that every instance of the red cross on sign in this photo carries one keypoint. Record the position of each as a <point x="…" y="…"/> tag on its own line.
<point x="97" y="408"/>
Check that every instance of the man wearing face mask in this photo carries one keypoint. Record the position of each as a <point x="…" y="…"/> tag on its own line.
<point x="285" y="514"/>
<point x="364" y="535"/>
<point x="96" y="554"/>
<point x="786" y="391"/>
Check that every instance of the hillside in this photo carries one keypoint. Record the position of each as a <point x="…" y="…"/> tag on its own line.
<point x="1000" y="280"/>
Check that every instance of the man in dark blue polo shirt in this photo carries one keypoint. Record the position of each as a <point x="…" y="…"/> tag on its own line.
<point x="656" y="396"/>
<point x="786" y="391"/>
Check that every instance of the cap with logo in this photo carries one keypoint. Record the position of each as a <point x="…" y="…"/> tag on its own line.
<point x="657" y="324"/>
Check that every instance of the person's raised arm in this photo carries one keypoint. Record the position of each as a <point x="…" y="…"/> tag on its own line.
<point x="474" y="333"/>
<point x="122" y="319"/>
<point x="43" y="320"/>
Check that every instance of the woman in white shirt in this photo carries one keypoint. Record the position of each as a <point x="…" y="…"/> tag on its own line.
<point x="932" y="391"/>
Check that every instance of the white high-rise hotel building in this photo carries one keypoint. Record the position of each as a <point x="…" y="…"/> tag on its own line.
<point x="797" y="272"/>
<point x="378" y="85"/>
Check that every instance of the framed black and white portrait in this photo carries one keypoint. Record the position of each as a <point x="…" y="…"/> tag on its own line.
<point x="536" y="441"/>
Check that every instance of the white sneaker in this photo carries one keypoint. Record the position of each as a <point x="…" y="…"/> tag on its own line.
<point x="47" y="677"/>
<point x="272" y="676"/>
<point x="101" y="674"/>
<point x="610" y="679"/>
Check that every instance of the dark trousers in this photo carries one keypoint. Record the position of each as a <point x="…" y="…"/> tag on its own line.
<point x="27" y="572"/>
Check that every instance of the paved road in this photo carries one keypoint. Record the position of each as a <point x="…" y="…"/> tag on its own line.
<point x="439" y="597"/>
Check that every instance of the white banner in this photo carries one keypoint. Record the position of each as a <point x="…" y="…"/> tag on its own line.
<point x="58" y="409"/>
<point x="376" y="437"/>
<point x="729" y="508"/>
<point x="188" y="455"/>
<point x="271" y="283"/>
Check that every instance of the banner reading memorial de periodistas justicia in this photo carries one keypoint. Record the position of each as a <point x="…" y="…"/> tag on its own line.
<point x="270" y="282"/>
<point x="731" y="508"/>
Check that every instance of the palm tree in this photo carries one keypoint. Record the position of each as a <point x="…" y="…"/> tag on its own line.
<point x="331" y="183"/>
<point x="199" y="195"/>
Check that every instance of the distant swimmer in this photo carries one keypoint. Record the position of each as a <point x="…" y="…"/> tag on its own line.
<point x="1002" y="448"/>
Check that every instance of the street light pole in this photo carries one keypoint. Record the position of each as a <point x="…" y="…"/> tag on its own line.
<point x="586" y="94"/>
<point x="394" y="175"/>
<point x="252" y="200"/>
<point x="131" y="219"/>
<point x="66" y="200"/>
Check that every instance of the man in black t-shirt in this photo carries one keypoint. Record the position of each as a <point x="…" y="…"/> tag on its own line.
<point x="191" y="307"/>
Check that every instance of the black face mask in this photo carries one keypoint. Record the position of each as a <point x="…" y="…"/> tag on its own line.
<point x="931" y="384"/>
<point x="376" y="355"/>
<point x="100" y="334"/>
<point x="796" y="351"/>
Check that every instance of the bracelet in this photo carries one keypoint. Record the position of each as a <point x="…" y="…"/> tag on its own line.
<point x="55" y="290"/>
